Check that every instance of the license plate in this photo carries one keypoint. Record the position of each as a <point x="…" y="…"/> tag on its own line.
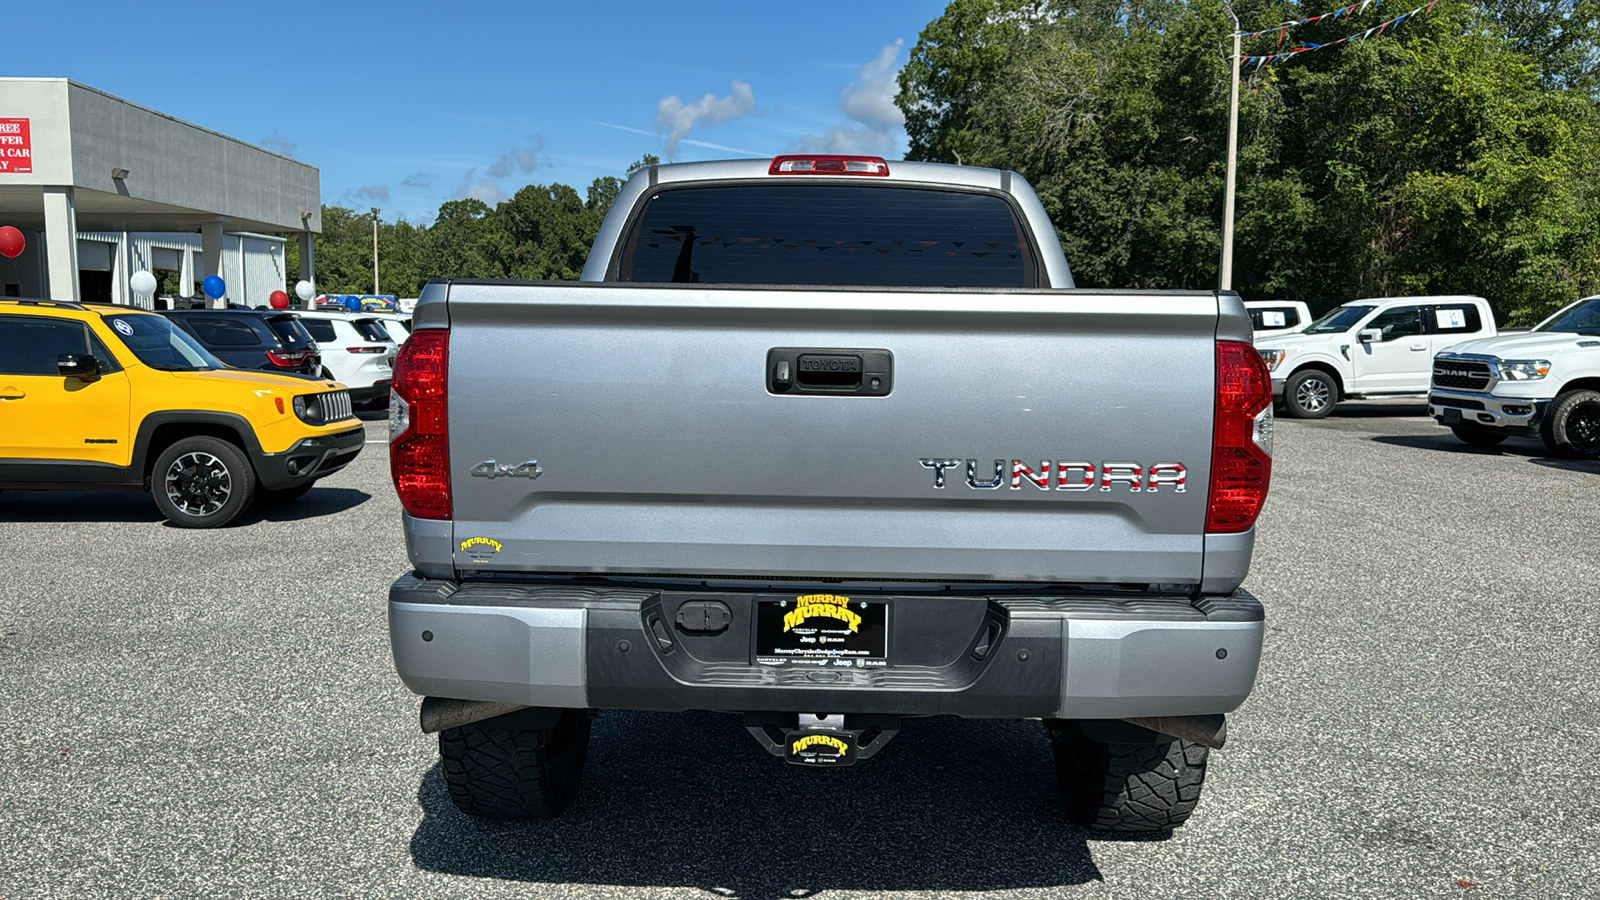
<point x="822" y="630"/>
<point x="1449" y="414"/>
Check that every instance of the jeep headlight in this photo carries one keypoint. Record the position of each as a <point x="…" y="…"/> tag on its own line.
<point x="308" y="409"/>
<point x="1523" y="369"/>
<point x="1272" y="358"/>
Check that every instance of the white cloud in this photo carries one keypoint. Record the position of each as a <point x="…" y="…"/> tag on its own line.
<point x="279" y="144"/>
<point x="874" y="124"/>
<point x="519" y="159"/>
<point x="486" y="189"/>
<point x="374" y="193"/>
<point x="675" y="119"/>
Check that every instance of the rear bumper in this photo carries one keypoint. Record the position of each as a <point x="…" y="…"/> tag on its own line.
<point x="1080" y="656"/>
<point x="371" y="393"/>
<point x="309" y="459"/>
<point x="1486" y="411"/>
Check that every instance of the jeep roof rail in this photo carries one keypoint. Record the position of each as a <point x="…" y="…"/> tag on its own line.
<point x="30" y="301"/>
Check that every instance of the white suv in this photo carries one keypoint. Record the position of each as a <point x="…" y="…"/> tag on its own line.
<point x="356" y="350"/>
<point x="1369" y="348"/>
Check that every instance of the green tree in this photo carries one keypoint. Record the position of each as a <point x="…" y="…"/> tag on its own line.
<point x="1448" y="155"/>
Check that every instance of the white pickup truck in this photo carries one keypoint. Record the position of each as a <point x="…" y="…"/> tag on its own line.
<point x="1545" y="382"/>
<point x="1369" y="348"/>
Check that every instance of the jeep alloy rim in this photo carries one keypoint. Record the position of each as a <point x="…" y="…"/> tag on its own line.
<point x="198" y="484"/>
<point x="1312" y="394"/>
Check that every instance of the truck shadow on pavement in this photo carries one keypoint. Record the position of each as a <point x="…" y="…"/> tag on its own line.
<point x="1529" y="449"/>
<point x="691" y="801"/>
<point x="136" y="506"/>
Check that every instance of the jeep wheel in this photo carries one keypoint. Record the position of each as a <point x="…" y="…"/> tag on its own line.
<point x="202" y="482"/>
<point x="502" y="769"/>
<point x="1478" y="438"/>
<point x="1127" y="787"/>
<point x="1572" y="424"/>
<point x="1310" y="394"/>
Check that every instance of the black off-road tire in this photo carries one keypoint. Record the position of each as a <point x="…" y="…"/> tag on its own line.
<point x="500" y="769"/>
<point x="1127" y="787"/>
<point x="285" y="495"/>
<point x="1310" y="394"/>
<point x="211" y="478"/>
<point x="1572" y="425"/>
<point x="1478" y="438"/>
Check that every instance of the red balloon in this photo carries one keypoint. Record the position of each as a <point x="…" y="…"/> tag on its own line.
<point x="278" y="299"/>
<point x="11" y="242"/>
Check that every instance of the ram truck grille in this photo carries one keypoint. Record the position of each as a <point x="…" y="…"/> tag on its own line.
<point x="1461" y="375"/>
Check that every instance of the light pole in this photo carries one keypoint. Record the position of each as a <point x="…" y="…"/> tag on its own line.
<point x="375" y="237"/>
<point x="1233" y="162"/>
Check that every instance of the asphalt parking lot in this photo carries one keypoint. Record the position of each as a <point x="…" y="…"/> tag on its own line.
<point x="215" y="713"/>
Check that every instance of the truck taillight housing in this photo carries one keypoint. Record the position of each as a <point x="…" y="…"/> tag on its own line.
<point x="419" y="439"/>
<point x="1241" y="439"/>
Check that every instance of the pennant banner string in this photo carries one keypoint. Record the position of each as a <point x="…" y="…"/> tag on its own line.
<point x="1341" y="12"/>
<point x="1267" y="60"/>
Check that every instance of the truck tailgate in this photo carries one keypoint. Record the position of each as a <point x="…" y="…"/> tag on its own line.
<point x="662" y="450"/>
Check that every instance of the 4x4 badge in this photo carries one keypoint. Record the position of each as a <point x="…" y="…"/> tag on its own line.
<point x="491" y="469"/>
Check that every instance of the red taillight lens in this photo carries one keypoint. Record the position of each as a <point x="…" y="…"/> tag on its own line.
<point x="367" y="349"/>
<point x="287" y="358"/>
<point x="419" y="441"/>
<point x="1241" y="442"/>
<point x="827" y="164"/>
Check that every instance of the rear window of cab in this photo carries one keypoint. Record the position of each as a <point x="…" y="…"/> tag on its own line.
<point x="828" y="234"/>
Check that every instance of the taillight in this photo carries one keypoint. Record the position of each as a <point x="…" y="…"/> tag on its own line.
<point x="828" y="164"/>
<point x="287" y="358"/>
<point x="419" y="442"/>
<point x="367" y="349"/>
<point x="1241" y="442"/>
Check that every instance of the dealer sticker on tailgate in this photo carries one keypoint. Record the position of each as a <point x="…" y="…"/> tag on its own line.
<point x="822" y="630"/>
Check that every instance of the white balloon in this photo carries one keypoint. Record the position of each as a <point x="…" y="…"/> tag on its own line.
<point x="142" y="282"/>
<point x="304" y="291"/>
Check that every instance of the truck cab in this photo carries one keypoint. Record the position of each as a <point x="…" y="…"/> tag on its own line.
<point x="1381" y="347"/>
<point x="1275" y="318"/>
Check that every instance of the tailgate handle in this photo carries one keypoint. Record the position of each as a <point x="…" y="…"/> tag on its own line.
<point x="809" y="370"/>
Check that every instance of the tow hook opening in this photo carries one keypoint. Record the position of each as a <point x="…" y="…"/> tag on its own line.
<point x="821" y="740"/>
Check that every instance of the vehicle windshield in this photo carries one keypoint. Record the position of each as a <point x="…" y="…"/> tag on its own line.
<point x="1338" y="319"/>
<point x="161" y="345"/>
<point x="1582" y="317"/>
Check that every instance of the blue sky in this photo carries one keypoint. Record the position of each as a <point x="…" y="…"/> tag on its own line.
<point x="404" y="105"/>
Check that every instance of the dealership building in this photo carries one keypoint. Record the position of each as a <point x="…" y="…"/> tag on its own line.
<point x="102" y="188"/>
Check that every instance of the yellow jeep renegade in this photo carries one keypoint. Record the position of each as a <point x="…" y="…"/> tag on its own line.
<point x="108" y="397"/>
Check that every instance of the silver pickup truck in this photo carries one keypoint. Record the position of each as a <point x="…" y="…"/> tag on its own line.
<point x="828" y="443"/>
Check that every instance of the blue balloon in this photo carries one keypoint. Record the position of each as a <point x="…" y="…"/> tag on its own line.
<point x="213" y="286"/>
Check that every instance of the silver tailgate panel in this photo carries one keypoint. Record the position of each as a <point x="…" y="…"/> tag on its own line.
<point x="662" y="451"/>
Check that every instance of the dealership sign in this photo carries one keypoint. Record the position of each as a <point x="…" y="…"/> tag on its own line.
<point x="16" y="147"/>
